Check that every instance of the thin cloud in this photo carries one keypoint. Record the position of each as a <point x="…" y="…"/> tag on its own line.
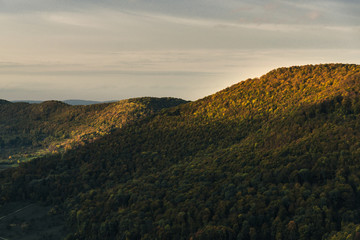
<point x="193" y="47"/>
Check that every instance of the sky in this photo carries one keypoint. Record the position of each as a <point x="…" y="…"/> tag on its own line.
<point x="118" y="49"/>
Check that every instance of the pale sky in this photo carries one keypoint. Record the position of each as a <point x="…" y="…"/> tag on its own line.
<point x="106" y="50"/>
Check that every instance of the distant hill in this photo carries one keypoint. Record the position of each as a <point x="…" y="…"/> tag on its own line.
<point x="80" y="102"/>
<point x="2" y="101"/>
<point x="28" y="130"/>
<point x="70" y="101"/>
<point x="275" y="157"/>
<point x="27" y="101"/>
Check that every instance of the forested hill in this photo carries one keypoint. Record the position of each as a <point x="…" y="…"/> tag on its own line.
<point x="2" y="101"/>
<point x="30" y="130"/>
<point x="271" y="158"/>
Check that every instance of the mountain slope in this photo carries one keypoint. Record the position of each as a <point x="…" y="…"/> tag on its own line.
<point x="52" y="126"/>
<point x="2" y="101"/>
<point x="269" y="158"/>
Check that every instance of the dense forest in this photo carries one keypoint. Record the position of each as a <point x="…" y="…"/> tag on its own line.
<point x="275" y="157"/>
<point x="31" y="130"/>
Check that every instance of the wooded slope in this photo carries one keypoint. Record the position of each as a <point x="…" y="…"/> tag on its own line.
<point x="30" y="130"/>
<point x="270" y="158"/>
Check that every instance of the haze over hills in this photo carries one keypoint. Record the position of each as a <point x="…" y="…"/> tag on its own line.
<point x="276" y="157"/>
